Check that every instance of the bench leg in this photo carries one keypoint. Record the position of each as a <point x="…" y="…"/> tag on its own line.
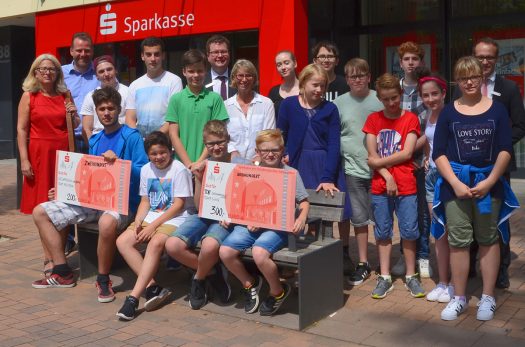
<point x="87" y="251"/>
<point x="320" y="283"/>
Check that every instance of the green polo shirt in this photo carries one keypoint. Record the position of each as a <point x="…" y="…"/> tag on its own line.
<point x="192" y="112"/>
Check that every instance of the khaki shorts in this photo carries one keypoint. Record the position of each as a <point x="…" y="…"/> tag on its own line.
<point x="464" y="222"/>
<point x="165" y="229"/>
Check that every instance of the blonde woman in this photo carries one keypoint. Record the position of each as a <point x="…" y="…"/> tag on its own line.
<point x="249" y="111"/>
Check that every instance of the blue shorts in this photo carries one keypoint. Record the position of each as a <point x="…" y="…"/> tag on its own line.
<point x="406" y="212"/>
<point x="430" y="183"/>
<point x="241" y="239"/>
<point x="194" y="229"/>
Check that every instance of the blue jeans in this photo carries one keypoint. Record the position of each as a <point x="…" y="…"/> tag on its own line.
<point x="241" y="239"/>
<point x="194" y="229"/>
<point x="384" y="206"/>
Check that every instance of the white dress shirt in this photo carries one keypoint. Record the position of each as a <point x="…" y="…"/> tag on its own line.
<point x="243" y="129"/>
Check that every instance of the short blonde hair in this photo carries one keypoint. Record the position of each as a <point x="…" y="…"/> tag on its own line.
<point x="467" y="67"/>
<point x="269" y="135"/>
<point x="31" y="83"/>
<point x="358" y="65"/>
<point x="250" y="68"/>
<point x="308" y="72"/>
<point x="388" y="81"/>
<point x="216" y="128"/>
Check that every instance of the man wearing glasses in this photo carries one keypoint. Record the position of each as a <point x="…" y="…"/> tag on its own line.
<point x="486" y="50"/>
<point x="326" y="55"/>
<point x="218" y="78"/>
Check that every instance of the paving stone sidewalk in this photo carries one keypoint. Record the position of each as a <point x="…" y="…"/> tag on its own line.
<point x="73" y="317"/>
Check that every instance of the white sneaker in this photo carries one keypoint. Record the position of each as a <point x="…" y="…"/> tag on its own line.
<point x="436" y="293"/>
<point x="447" y="295"/>
<point x="400" y="268"/>
<point x="486" y="307"/>
<point x="453" y="309"/>
<point x="425" y="270"/>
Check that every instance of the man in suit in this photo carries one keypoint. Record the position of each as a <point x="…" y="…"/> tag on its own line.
<point x="218" y="78"/>
<point x="486" y="50"/>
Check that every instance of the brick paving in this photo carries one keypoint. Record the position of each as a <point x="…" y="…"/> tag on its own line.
<point x="73" y="317"/>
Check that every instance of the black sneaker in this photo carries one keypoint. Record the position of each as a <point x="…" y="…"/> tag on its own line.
<point x="156" y="296"/>
<point x="272" y="303"/>
<point x="198" y="295"/>
<point x="361" y="273"/>
<point x="128" y="310"/>
<point x="219" y="282"/>
<point x="252" y="296"/>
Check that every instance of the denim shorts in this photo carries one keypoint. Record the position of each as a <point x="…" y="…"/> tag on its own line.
<point x="241" y="239"/>
<point x="406" y="212"/>
<point x="62" y="215"/>
<point x="430" y="183"/>
<point x="194" y="229"/>
<point x="359" y="192"/>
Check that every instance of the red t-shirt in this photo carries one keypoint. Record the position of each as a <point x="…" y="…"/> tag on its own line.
<point x="391" y="136"/>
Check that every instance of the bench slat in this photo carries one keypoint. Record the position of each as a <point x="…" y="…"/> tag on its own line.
<point x="319" y="198"/>
<point x="330" y="214"/>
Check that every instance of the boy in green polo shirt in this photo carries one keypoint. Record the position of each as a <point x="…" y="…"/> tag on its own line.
<point x="190" y="109"/>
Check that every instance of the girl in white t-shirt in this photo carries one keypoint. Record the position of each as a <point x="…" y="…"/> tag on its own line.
<point x="432" y="89"/>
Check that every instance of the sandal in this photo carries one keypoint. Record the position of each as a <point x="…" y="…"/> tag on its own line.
<point x="47" y="272"/>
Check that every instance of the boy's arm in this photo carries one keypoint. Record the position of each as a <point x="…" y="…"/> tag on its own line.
<point x="371" y="147"/>
<point x="397" y="158"/>
<point x="131" y="118"/>
<point x="177" y="144"/>
<point x="142" y="210"/>
<point x="300" y="221"/>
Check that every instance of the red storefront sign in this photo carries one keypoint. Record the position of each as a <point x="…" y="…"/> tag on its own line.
<point x="282" y="24"/>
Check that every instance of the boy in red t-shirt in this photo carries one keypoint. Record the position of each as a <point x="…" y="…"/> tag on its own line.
<point x="391" y="137"/>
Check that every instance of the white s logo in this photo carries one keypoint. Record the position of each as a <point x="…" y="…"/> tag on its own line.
<point x="108" y="22"/>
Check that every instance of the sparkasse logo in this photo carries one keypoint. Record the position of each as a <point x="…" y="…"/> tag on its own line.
<point x="108" y="22"/>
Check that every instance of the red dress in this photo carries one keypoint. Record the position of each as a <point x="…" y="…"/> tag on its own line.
<point x="47" y="134"/>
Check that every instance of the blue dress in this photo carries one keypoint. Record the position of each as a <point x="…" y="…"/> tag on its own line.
<point x="312" y="139"/>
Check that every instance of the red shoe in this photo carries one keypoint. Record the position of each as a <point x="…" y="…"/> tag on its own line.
<point x="55" y="281"/>
<point x="105" y="291"/>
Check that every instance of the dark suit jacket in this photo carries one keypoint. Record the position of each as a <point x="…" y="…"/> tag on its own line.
<point x="510" y="97"/>
<point x="207" y="80"/>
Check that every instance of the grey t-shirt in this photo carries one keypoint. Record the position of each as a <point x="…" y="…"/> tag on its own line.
<point x="353" y="113"/>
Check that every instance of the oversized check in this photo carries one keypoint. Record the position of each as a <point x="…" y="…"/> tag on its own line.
<point x="89" y="181"/>
<point x="249" y="195"/>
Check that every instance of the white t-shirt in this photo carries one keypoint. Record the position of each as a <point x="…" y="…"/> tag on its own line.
<point x="430" y="128"/>
<point x="88" y="107"/>
<point x="161" y="186"/>
<point x="243" y="129"/>
<point x="150" y="97"/>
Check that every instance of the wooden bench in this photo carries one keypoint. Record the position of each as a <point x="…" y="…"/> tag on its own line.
<point x="317" y="257"/>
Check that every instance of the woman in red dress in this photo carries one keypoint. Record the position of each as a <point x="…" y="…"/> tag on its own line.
<point x="42" y="128"/>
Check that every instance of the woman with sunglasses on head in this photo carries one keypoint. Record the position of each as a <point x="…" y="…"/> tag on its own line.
<point x="472" y="146"/>
<point x="41" y="131"/>
<point x="249" y="111"/>
<point x="286" y="64"/>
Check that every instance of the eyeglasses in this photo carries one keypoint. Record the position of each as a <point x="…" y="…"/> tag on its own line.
<point x="474" y="79"/>
<point x="241" y="76"/>
<point x="356" y="77"/>
<point x="216" y="53"/>
<point x="43" y="70"/>
<point x="216" y="143"/>
<point x="325" y="57"/>
<point x="488" y="58"/>
<point x="265" y="152"/>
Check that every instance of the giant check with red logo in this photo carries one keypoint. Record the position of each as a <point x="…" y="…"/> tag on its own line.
<point x="249" y="195"/>
<point x="90" y="181"/>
